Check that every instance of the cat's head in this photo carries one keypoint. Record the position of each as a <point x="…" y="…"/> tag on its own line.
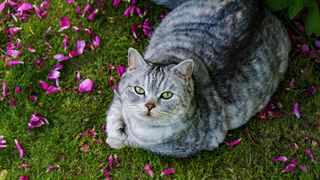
<point x="154" y="94"/>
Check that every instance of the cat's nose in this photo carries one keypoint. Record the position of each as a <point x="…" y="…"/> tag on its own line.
<point x="150" y="105"/>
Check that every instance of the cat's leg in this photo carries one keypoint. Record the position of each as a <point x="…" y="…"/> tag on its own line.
<point x="115" y="125"/>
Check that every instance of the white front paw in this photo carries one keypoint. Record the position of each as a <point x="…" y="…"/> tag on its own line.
<point x="115" y="143"/>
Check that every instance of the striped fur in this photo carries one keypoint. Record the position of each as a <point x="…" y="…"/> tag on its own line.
<point x="239" y="52"/>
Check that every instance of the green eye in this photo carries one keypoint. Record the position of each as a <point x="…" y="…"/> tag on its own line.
<point x="139" y="90"/>
<point x="166" y="95"/>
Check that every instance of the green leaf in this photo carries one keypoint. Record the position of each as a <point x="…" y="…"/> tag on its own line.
<point x="295" y="7"/>
<point x="277" y="5"/>
<point x="312" y="20"/>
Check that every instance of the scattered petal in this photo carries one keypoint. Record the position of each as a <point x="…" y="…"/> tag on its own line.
<point x="81" y="44"/>
<point x="3" y="6"/>
<point x="61" y="57"/>
<point x="14" y="62"/>
<point x="78" y="10"/>
<point x="296" y="110"/>
<point x="44" y="5"/>
<point x="19" y="148"/>
<point x="24" y="7"/>
<point x="64" y="23"/>
<point x="36" y="121"/>
<point x="74" y="53"/>
<point x="88" y="132"/>
<point x="85" y="147"/>
<point x="116" y="160"/>
<point x="31" y="49"/>
<point x="53" y="167"/>
<point x="52" y="89"/>
<point x="33" y="98"/>
<point x="105" y="171"/>
<point x="111" y="81"/>
<point x="96" y="42"/>
<point x="280" y="158"/>
<point x="312" y="90"/>
<point x="86" y="86"/>
<point x="12" y="31"/>
<point x="17" y="90"/>
<point x="25" y="166"/>
<point x="304" y="49"/>
<point x="110" y="161"/>
<point x="134" y="29"/>
<point x="120" y="70"/>
<point x="168" y="172"/>
<point x="19" y="44"/>
<point x="291" y="166"/>
<point x="4" y="88"/>
<point x="148" y="170"/>
<point x="86" y="9"/>
<point x="147" y="28"/>
<point x="116" y="3"/>
<point x="13" y="53"/>
<point x="78" y="77"/>
<point x="44" y="85"/>
<point x="129" y="11"/>
<point x="309" y="153"/>
<point x="65" y="42"/>
<point x="23" y="177"/>
<point x="303" y="168"/>
<point x="12" y="102"/>
<point x="70" y="2"/>
<point x="233" y="143"/>
<point x="2" y="142"/>
<point x="92" y="15"/>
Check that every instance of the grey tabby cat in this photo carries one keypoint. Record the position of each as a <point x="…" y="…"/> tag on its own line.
<point x="210" y="66"/>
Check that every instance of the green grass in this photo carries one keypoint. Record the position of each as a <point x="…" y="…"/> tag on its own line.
<point x="70" y="113"/>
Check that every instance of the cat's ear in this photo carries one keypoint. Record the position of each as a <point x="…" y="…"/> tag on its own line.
<point x="135" y="60"/>
<point x="185" y="68"/>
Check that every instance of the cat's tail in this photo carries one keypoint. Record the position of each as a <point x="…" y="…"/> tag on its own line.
<point x="171" y="4"/>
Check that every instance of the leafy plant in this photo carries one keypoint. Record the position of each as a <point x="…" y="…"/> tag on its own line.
<point x="311" y="15"/>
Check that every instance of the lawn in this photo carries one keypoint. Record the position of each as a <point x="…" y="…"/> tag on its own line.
<point x="68" y="141"/>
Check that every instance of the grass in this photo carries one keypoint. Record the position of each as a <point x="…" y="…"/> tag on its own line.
<point x="70" y="113"/>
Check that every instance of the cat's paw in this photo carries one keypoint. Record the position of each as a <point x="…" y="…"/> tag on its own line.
<point x="115" y="143"/>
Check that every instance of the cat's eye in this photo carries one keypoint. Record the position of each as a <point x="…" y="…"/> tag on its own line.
<point x="139" y="90"/>
<point x="166" y="95"/>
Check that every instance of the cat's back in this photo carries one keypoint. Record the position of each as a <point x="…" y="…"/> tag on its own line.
<point x="205" y="29"/>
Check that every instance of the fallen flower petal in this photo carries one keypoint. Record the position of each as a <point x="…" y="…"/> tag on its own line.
<point x="105" y="171"/>
<point x="44" y="85"/>
<point x="12" y="31"/>
<point x="25" y="166"/>
<point x="312" y="90"/>
<point x="168" y="172"/>
<point x="36" y="121"/>
<point x="86" y="86"/>
<point x="24" y="7"/>
<point x="296" y="110"/>
<point x="120" y="70"/>
<point x="70" y="2"/>
<point x="304" y="49"/>
<point x="280" y="158"/>
<point x="3" y="6"/>
<point x="234" y="142"/>
<point x="14" y="62"/>
<point x="96" y="42"/>
<point x="4" y="88"/>
<point x="78" y="77"/>
<point x="61" y="57"/>
<point x="10" y="46"/>
<point x="92" y="15"/>
<point x="54" y="75"/>
<point x="65" y="42"/>
<point x="2" y="142"/>
<point x="111" y="81"/>
<point x="85" y="147"/>
<point x="52" y="89"/>
<point x="78" y="10"/>
<point x="86" y="9"/>
<point x="81" y="44"/>
<point x="31" y="49"/>
<point x="44" y="5"/>
<point x="303" y="168"/>
<point x="88" y="132"/>
<point x="309" y="153"/>
<point x="33" y="98"/>
<point x="110" y="161"/>
<point x="117" y="160"/>
<point x="134" y="29"/>
<point x="148" y="170"/>
<point x="23" y="177"/>
<point x="52" y="167"/>
<point x="64" y="23"/>
<point x="291" y="166"/>
<point x="74" y="53"/>
<point x="13" y="53"/>
<point x="12" y="102"/>
<point x="129" y="11"/>
<point x="116" y="3"/>
<point x="17" y="90"/>
<point x="19" y="148"/>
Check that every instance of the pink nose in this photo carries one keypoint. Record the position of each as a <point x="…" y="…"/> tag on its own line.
<point x="150" y="106"/>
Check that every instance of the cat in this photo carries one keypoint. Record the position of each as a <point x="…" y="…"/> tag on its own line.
<point x="209" y="67"/>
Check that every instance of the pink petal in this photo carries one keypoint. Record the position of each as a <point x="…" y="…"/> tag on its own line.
<point x="38" y="11"/>
<point x="12" y="3"/>
<point x="17" y="90"/>
<point x="129" y="10"/>
<point x="24" y="7"/>
<point x="168" y="172"/>
<point x="291" y="166"/>
<point x="85" y="147"/>
<point x="138" y="10"/>
<point x="44" y="5"/>
<point x="304" y="49"/>
<point x="89" y="31"/>
<point x="23" y="177"/>
<point x="2" y="142"/>
<point x="14" y="62"/>
<point x="111" y="81"/>
<point x="12" y="31"/>
<point x="148" y="170"/>
<point x="110" y="161"/>
<point x="39" y="62"/>
<point x="81" y="44"/>
<point x="134" y="29"/>
<point x="76" y="28"/>
<point x="78" y="77"/>
<point x="70" y="2"/>
<point x="12" y="102"/>
<point x="234" y="142"/>
<point x="105" y="171"/>
<point x="111" y="67"/>
<point x="309" y="153"/>
<point x="96" y="42"/>
<point x="10" y="46"/>
<point x="147" y="28"/>
<point x="44" y="85"/>
<point x="25" y="166"/>
<point x="296" y="110"/>
<point x="64" y="23"/>
<point x="19" y="43"/>
<point x="36" y="121"/>
<point x="312" y="90"/>
<point x="54" y="75"/>
<point x="115" y="88"/>
<point x="4" y="87"/>
<point x="53" y="167"/>
<point x="116" y="3"/>
<point x="92" y="15"/>
<point x="31" y="49"/>
<point x="303" y="168"/>
<point x="13" y="53"/>
<point x="33" y="98"/>
<point x="117" y="160"/>
<point x="73" y="53"/>
<point x="280" y="158"/>
<point x="52" y="89"/>
<point x="48" y="30"/>
<point x="78" y="10"/>
<point x="120" y="70"/>
<point x="61" y="57"/>
<point x="3" y="6"/>
<point x="19" y="148"/>
<point x="86" y="86"/>
<point x="65" y="42"/>
<point x="86" y="9"/>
